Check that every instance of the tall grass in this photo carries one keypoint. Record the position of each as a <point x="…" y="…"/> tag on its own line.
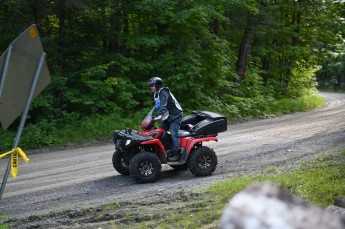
<point x="287" y="105"/>
<point x="74" y="131"/>
<point x="299" y="104"/>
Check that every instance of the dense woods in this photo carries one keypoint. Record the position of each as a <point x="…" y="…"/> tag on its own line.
<point x="233" y="56"/>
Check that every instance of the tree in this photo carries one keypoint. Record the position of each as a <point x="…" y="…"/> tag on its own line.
<point x="101" y="53"/>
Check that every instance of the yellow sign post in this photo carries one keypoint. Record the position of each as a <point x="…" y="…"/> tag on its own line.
<point x="14" y="159"/>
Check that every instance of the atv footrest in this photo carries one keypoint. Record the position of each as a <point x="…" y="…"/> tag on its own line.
<point x="175" y="163"/>
<point x="181" y="161"/>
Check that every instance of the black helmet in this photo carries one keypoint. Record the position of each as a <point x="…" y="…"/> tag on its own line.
<point x="158" y="82"/>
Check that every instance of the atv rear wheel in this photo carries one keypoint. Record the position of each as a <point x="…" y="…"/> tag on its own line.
<point x="203" y="161"/>
<point x="145" y="167"/>
<point x="119" y="163"/>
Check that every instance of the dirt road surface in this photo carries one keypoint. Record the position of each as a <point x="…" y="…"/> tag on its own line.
<point x="77" y="178"/>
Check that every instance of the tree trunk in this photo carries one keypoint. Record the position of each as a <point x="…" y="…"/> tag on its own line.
<point x="244" y="50"/>
<point x="241" y="64"/>
<point x="296" y="21"/>
<point x="115" y="26"/>
<point x="35" y="6"/>
<point x="61" y="35"/>
<point x="215" y="27"/>
<point x="105" y="28"/>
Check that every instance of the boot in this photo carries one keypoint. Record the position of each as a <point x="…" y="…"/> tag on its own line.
<point x="173" y="155"/>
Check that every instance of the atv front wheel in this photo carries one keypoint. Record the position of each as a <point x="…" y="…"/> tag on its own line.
<point x="203" y="161"/>
<point x="120" y="164"/>
<point x="145" y="167"/>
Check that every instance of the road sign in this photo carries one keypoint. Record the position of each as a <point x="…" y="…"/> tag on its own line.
<point x="24" y="74"/>
<point x="17" y="67"/>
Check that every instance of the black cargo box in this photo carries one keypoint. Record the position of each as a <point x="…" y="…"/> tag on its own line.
<point x="204" y="123"/>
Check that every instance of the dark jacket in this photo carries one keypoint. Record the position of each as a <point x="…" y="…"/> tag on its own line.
<point x="167" y="105"/>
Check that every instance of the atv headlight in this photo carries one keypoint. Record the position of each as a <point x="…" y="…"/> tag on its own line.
<point x="128" y="142"/>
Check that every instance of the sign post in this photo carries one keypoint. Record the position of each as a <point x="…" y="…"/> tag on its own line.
<point x="4" y="72"/>
<point x="24" y="75"/>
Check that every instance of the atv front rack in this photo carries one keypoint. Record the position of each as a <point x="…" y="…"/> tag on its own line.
<point x="126" y="139"/>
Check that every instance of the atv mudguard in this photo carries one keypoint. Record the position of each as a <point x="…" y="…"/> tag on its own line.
<point x="189" y="143"/>
<point x="159" y="148"/>
<point x="157" y="144"/>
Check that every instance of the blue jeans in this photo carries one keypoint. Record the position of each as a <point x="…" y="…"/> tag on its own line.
<point x="174" y="127"/>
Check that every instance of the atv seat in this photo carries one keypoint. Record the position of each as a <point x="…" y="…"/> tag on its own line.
<point x="183" y="133"/>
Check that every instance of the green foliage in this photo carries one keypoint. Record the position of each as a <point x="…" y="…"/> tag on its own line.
<point x="38" y="135"/>
<point x="302" y="82"/>
<point x="251" y="86"/>
<point x="3" y="226"/>
<point x="97" y="92"/>
<point x="73" y="128"/>
<point x="333" y="68"/>
<point x="6" y="139"/>
<point x="101" y="66"/>
<point x="264" y="106"/>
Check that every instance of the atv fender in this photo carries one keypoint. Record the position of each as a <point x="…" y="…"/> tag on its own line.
<point x="190" y="144"/>
<point x="157" y="144"/>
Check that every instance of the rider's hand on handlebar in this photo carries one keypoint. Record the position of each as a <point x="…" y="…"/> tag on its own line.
<point x="155" y="119"/>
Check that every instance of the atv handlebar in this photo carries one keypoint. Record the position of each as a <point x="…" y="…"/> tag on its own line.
<point x="156" y="119"/>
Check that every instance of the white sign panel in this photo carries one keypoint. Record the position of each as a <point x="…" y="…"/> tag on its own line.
<point x="15" y="84"/>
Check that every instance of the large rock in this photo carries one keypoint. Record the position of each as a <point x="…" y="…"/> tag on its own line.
<point x="335" y="210"/>
<point x="267" y="206"/>
<point x="340" y="202"/>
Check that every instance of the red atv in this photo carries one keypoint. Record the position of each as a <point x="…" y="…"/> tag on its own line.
<point x="141" y="153"/>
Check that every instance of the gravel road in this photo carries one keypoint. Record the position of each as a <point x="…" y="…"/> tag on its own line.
<point x="76" y="178"/>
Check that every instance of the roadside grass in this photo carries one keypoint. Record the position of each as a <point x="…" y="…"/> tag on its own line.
<point x="74" y="132"/>
<point x="239" y="108"/>
<point x="3" y="226"/>
<point x="304" y="103"/>
<point x="342" y="90"/>
<point x="318" y="182"/>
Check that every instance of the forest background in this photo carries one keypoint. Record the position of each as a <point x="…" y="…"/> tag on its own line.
<point x="241" y="58"/>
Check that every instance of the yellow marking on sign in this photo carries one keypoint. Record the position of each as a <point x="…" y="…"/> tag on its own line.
<point x="33" y="33"/>
<point x="14" y="159"/>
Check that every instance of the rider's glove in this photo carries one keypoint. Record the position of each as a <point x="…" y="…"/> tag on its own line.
<point x="155" y="119"/>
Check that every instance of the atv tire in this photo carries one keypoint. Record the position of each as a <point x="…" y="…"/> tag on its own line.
<point x="119" y="163"/>
<point x="203" y="161"/>
<point x="145" y="167"/>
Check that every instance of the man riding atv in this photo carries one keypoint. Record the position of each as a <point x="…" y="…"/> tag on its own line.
<point x="141" y="153"/>
<point x="170" y="112"/>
